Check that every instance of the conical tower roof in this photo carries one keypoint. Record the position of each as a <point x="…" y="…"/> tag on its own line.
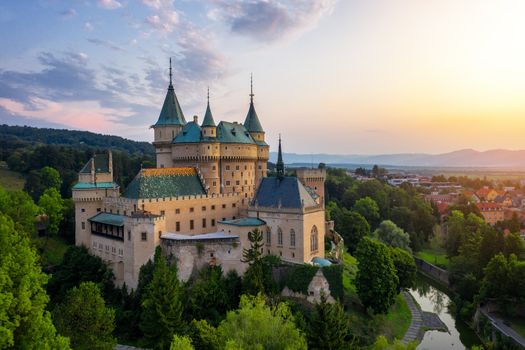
<point x="252" y="123"/>
<point x="208" y="117"/>
<point x="280" y="163"/>
<point x="171" y="113"/>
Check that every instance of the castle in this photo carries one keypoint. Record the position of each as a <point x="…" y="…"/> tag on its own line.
<point x="209" y="189"/>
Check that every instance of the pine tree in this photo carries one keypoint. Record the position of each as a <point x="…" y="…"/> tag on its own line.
<point x="255" y="274"/>
<point x="85" y="318"/>
<point x="329" y="329"/>
<point x="162" y="306"/>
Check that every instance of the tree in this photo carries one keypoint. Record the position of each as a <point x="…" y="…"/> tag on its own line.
<point x="25" y="324"/>
<point x="329" y="329"/>
<point x="495" y="284"/>
<point x="391" y="235"/>
<point x="162" y="308"/>
<point x="368" y="208"/>
<point x="513" y="244"/>
<point x="40" y="180"/>
<point x="353" y="227"/>
<point x="84" y="317"/>
<point x="258" y="326"/>
<point x="53" y="206"/>
<point x="253" y="279"/>
<point x="20" y="208"/>
<point x="376" y="279"/>
<point x="79" y="266"/>
<point x="405" y="268"/>
<point x="181" y="343"/>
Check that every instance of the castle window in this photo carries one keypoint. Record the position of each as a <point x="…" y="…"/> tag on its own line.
<point x="98" y="210"/>
<point x="191" y="210"/>
<point x="213" y="167"/>
<point x="213" y="207"/>
<point x="313" y="239"/>
<point x="177" y="226"/>
<point x="129" y="235"/>
<point x="237" y="167"/>
<point x="162" y="212"/>
<point x="292" y="238"/>
<point x="233" y="218"/>
<point x="82" y="210"/>
<point x="214" y="183"/>
<point x="177" y="211"/>
<point x="203" y="223"/>
<point x="191" y="224"/>
<point x="234" y="205"/>
<point x="203" y="208"/>
<point x="224" y="206"/>
<point x="227" y="183"/>
<point x="268" y="236"/>
<point x="260" y="167"/>
<point x="245" y="167"/>
<point x="213" y="222"/>
<point x="293" y="255"/>
<point x="237" y="182"/>
<point x="160" y="233"/>
<point x="279" y="236"/>
<point x="144" y="236"/>
<point x="227" y="167"/>
<point x="83" y="225"/>
<point x="223" y="219"/>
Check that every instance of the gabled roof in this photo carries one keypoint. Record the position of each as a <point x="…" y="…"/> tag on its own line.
<point x="89" y="185"/>
<point x="164" y="182"/>
<point x="252" y="123"/>
<point x="101" y="162"/>
<point x="285" y="192"/>
<point x="171" y="113"/>
<point x="208" y="117"/>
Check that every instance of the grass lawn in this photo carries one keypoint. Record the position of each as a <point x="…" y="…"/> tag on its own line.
<point x="11" y="180"/>
<point x="397" y="321"/>
<point x="349" y="272"/>
<point x="51" y="252"/>
<point x="434" y="256"/>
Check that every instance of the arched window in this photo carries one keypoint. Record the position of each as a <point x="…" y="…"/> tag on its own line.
<point x="292" y="238"/>
<point x="313" y="239"/>
<point x="279" y="236"/>
<point x="268" y="236"/>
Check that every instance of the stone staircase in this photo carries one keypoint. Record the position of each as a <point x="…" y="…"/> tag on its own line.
<point x="414" y="330"/>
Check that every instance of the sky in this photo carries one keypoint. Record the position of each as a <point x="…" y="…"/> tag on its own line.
<point x="342" y="77"/>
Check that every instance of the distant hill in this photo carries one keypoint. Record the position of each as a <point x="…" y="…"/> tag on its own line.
<point x="462" y="158"/>
<point x="32" y="135"/>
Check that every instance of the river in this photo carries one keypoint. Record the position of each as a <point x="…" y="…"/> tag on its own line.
<point x="432" y="299"/>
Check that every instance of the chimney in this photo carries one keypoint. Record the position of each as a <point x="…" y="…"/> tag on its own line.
<point x="195" y="119"/>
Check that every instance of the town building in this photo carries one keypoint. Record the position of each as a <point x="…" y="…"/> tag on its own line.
<point x="208" y="190"/>
<point x="491" y="212"/>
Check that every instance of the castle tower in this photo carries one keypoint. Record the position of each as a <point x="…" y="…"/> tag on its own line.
<point x="209" y="166"/>
<point x="280" y="163"/>
<point x="170" y="123"/>
<point x="208" y="127"/>
<point x="253" y="126"/>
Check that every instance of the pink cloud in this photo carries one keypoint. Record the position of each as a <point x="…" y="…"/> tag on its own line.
<point x="109" y="4"/>
<point x="84" y="115"/>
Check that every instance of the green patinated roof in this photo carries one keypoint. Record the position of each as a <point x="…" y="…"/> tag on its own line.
<point x="233" y="133"/>
<point x="226" y="133"/>
<point x="244" y="222"/>
<point x="108" y="219"/>
<point x="208" y="117"/>
<point x="252" y="122"/>
<point x="191" y="132"/>
<point x="164" y="182"/>
<point x="101" y="164"/>
<point x="171" y="113"/>
<point x="87" y="185"/>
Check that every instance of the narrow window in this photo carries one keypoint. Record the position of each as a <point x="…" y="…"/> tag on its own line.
<point x="279" y="236"/>
<point x="213" y="222"/>
<point x="144" y="236"/>
<point x="83" y="225"/>
<point x="177" y="226"/>
<point x="313" y="239"/>
<point x="191" y="224"/>
<point x="203" y="223"/>
<point x="177" y="211"/>
<point x="292" y="238"/>
<point x="268" y="236"/>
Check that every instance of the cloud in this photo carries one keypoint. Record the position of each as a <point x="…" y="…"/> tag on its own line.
<point x="271" y="20"/>
<point x="67" y="14"/>
<point x="88" y="26"/>
<point x="109" y="4"/>
<point x="165" y="17"/>
<point x="106" y="43"/>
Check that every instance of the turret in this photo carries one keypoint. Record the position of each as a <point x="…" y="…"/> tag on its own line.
<point x="170" y="123"/>
<point x="280" y="163"/>
<point x="252" y="123"/>
<point x="209" y="129"/>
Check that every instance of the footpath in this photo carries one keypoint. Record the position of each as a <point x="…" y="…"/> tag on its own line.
<point x="414" y="330"/>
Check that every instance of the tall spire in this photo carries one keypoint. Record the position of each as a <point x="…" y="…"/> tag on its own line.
<point x="252" y="123"/>
<point x="280" y="163"/>
<point x="251" y="88"/>
<point x="208" y="117"/>
<point x="170" y="73"/>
